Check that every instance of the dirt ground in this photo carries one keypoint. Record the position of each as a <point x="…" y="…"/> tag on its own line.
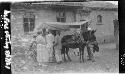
<point x="107" y="61"/>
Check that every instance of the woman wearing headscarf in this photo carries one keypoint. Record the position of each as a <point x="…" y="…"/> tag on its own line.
<point x="42" y="52"/>
<point x="50" y="41"/>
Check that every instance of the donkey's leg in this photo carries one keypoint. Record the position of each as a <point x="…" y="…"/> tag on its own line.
<point x="64" y="54"/>
<point x="77" y="53"/>
<point x="83" y="47"/>
<point x="67" y="50"/>
<point x="80" y="55"/>
<point x="64" y="59"/>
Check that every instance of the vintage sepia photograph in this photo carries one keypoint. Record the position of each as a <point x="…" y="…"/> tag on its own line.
<point x="64" y="37"/>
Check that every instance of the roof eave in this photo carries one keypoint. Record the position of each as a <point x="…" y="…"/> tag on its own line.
<point x="108" y="9"/>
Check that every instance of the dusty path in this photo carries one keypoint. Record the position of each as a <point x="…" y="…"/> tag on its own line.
<point x="107" y="61"/>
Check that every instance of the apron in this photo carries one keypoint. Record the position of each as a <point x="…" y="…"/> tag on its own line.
<point x="42" y="52"/>
<point x="50" y="40"/>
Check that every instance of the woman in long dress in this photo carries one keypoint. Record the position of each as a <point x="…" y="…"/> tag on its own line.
<point x="50" y="41"/>
<point x="42" y="52"/>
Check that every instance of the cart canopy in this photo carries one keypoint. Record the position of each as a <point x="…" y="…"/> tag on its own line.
<point x="60" y="26"/>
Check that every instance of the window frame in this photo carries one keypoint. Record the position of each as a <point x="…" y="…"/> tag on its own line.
<point x="99" y="20"/>
<point x="61" y="16"/>
<point x="30" y="20"/>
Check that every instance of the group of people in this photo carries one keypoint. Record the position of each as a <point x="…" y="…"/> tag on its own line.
<point x="48" y="47"/>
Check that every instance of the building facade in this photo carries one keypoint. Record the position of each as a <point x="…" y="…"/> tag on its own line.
<point x="25" y="17"/>
<point x="103" y="22"/>
<point x="102" y="16"/>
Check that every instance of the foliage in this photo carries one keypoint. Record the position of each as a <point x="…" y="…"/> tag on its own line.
<point x="22" y="56"/>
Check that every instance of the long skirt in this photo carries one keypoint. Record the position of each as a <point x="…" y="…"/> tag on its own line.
<point x="58" y="55"/>
<point x="50" y="52"/>
<point x="42" y="53"/>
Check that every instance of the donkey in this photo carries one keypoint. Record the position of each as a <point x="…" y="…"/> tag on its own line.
<point x="68" y="42"/>
<point x="71" y="41"/>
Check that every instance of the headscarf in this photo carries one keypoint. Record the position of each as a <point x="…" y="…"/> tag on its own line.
<point x="89" y="28"/>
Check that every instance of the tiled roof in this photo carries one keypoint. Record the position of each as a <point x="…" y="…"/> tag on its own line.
<point x="62" y="3"/>
<point x="37" y="5"/>
<point x="100" y="4"/>
<point x="92" y="4"/>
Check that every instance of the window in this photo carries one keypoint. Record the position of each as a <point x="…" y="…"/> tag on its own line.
<point x="99" y="20"/>
<point x="29" y="22"/>
<point x="61" y="16"/>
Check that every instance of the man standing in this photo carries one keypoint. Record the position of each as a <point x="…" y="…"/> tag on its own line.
<point x="58" y="47"/>
<point x="85" y="36"/>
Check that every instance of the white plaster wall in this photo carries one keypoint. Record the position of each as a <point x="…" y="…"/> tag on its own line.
<point x="103" y="31"/>
<point x="107" y="29"/>
<point x="43" y="15"/>
<point x="16" y="22"/>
